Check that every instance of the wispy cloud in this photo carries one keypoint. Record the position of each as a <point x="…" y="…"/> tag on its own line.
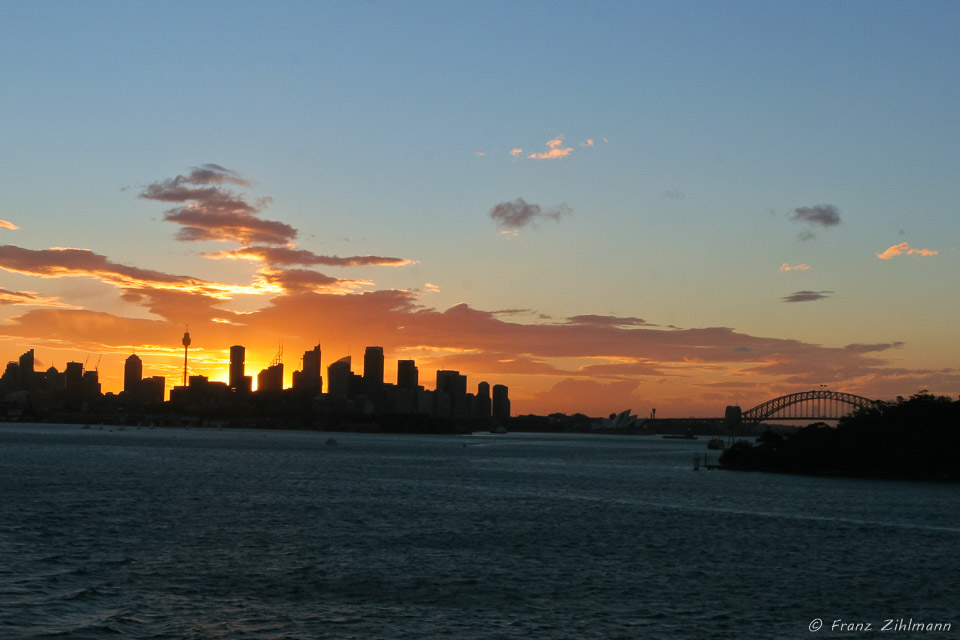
<point x="785" y="267"/>
<point x="517" y="152"/>
<point x="806" y="296"/>
<point x="277" y="256"/>
<point x="556" y="150"/>
<point x="214" y="213"/>
<point x="587" y="143"/>
<point x="824" y="215"/>
<point x="904" y="249"/>
<point x="61" y="262"/>
<point x="519" y="214"/>
<point x="6" y="224"/>
<point x="29" y="299"/>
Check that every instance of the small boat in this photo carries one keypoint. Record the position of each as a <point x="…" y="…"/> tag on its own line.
<point x="716" y="443"/>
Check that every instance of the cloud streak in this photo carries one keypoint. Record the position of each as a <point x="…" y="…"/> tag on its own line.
<point x="785" y="267"/>
<point x="519" y="214"/>
<point x="6" y="224"/>
<point x="277" y="256"/>
<point x="904" y="249"/>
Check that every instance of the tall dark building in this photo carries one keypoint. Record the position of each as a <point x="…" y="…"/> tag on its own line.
<point x="454" y="386"/>
<point x="152" y="389"/>
<point x="373" y="371"/>
<point x="73" y="377"/>
<point x="501" y="402"/>
<point x="408" y="376"/>
<point x="271" y="378"/>
<point x="338" y="379"/>
<point x="238" y="355"/>
<point x="26" y="369"/>
<point x="132" y="374"/>
<point x="310" y="378"/>
<point x="483" y="400"/>
<point x="91" y="383"/>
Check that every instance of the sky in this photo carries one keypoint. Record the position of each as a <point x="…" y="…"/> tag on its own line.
<point x="670" y="205"/>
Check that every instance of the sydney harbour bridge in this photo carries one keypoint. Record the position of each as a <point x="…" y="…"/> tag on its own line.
<point x="805" y="405"/>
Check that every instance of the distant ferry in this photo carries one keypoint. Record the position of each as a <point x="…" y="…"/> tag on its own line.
<point x="686" y="436"/>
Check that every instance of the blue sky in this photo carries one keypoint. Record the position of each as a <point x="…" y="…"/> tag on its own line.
<point x="711" y="125"/>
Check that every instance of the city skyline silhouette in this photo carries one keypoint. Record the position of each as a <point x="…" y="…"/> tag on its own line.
<point x="728" y="238"/>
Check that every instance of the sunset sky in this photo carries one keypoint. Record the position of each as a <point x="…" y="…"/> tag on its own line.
<point x="612" y="205"/>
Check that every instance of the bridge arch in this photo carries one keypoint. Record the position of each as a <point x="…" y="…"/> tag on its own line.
<point x="807" y="405"/>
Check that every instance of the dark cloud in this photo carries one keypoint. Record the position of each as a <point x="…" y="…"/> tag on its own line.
<point x="607" y="321"/>
<point x="214" y="213"/>
<point x="870" y="348"/>
<point x="519" y="214"/>
<point x="824" y="215"/>
<point x="806" y="296"/>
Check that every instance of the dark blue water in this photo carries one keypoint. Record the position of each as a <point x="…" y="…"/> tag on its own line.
<point x="170" y="533"/>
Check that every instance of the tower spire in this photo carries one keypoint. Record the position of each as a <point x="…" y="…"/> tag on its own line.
<point x="186" y="346"/>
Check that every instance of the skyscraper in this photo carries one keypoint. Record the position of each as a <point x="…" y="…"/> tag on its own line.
<point x="271" y="378"/>
<point x="373" y="371"/>
<point x="237" y="357"/>
<point x="338" y="379"/>
<point x="132" y="374"/>
<point x="408" y="376"/>
<point x="454" y="385"/>
<point x="310" y="378"/>
<point x="501" y="402"/>
<point x="483" y="400"/>
<point x="26" y="369"/>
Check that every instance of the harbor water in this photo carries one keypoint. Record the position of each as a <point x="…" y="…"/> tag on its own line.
<point x="192" y="533"/>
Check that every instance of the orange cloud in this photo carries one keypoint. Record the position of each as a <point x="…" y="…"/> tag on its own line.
<point x="303" y="280"/>
<point x="904" y="249"/>
<point x="587" y="143"/>
<point x="6" y="224"/>
<point x="516" y="152"/>
<point x="67" y="262"/>
<point x="557" y="150"/>
<point x="799" y="267"/>
<point x="29" y="299"/>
